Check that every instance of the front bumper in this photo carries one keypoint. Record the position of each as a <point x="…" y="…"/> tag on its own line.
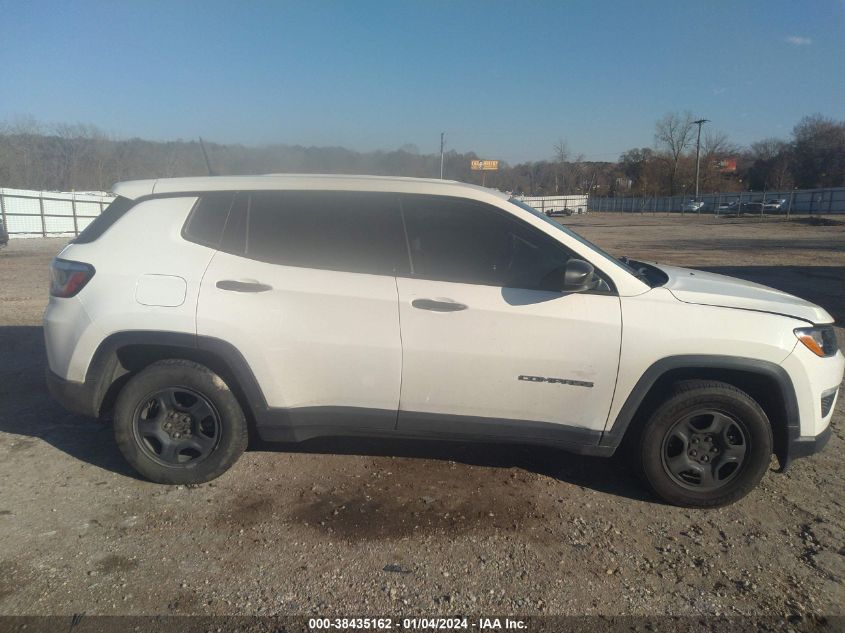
<point x="78" y="397"/>
<point x="808" y="445"/>
<point x="817" y="383"/>
<point x="796" y="445"/>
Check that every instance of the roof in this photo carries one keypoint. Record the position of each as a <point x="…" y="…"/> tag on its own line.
<point x="326" y="182"/>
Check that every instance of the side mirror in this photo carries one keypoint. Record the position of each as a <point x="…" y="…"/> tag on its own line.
<point x="579" y="276"/>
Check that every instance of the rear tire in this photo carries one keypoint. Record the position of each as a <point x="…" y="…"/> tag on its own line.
<point x="177" y="422"/>
<point x="709" y="444"/>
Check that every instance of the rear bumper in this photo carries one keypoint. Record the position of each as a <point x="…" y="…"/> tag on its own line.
<point x="78" y="397"/>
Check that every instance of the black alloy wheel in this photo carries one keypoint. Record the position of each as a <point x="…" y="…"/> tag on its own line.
<point x="176" y="426"/>
<point x="178" y="422"/>
<point x="707" y="444"/>
<point x="705" y="450"/>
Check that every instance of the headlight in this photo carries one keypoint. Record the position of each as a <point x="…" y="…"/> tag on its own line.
<point x="819" y="340"/>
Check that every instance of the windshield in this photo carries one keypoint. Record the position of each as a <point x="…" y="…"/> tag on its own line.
<point x="573" y="235"/>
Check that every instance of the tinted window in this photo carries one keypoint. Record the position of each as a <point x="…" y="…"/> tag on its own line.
<point x="348" y="231"/>
<point x="234" y="236"/>
<point x="451" y="239"/>
<point x="99" y="225"/>
<point x="206" y="222"/>
<point x="560" y="227"/>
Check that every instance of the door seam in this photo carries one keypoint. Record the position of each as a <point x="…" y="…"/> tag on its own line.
<point x="401" y="353"/>
<point x="199" y="293"/>
<point x="407" y="242"/>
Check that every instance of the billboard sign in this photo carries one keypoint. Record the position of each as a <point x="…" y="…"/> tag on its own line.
<point x="726" y="165"/>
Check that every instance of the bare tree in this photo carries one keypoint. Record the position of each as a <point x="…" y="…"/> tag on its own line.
<point x="673" y="133"/>
<point x="639" y="165"/>
<point x="74" y="155"/>
<point x="27" y="166"/>
<point x="561" y="151"/>
<point x="771" y="166"/>
<point x="715" y="146"/>
<point x="768" y="148"/>
<point x="818" y="152"/>
<point x="81" y="157"/>
<point x="562" y="159"/>
<point x="579" y="175"/>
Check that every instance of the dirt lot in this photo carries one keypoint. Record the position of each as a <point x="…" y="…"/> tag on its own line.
<point x="366" y="527"/>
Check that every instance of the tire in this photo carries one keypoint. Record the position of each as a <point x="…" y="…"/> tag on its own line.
<point x="708" y="445"/>
<point x="177" y="422"/>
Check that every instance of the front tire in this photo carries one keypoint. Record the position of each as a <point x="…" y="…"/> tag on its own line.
<point x="177" y="422"/>
<point x="709" y="444"/>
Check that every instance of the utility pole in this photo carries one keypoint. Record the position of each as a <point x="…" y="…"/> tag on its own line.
<point x="442" y="145"/>
<point x="699" y="123"/>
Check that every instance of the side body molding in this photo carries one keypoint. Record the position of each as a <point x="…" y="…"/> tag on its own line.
<point x="114" y="359"/>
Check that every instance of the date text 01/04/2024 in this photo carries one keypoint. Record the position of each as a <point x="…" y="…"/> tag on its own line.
<point x="415" y="623"/>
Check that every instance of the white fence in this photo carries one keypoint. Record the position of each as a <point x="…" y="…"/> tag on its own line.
<point x="549" y="204"/>
<point x="50" y="213"/>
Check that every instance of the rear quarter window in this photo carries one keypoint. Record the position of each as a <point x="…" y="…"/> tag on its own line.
<point x="207" y="219"/>
<point x="99" y="225"/>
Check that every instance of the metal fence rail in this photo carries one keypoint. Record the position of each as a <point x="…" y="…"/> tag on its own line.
<point x="568" y="205"/>
<point x="791" y="202"/>
<point x="49" y="214"/>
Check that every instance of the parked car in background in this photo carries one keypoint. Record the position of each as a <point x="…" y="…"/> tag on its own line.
<point x="771" y="206"/>
<point x="4" y="236"/>
<point x="720" y="207"/>
<point x="566" y="211"/>
<point x="693" y="205"/>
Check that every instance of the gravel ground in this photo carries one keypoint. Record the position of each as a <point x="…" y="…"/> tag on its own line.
<point x="362" y="527"/>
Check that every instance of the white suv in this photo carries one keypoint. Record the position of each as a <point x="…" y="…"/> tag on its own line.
<point x="198" y="312"/>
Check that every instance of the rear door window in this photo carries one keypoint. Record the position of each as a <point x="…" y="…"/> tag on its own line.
<point x="346" y="231"/>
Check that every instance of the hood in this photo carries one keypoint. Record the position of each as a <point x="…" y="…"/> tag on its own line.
<point x="696" y="286"/>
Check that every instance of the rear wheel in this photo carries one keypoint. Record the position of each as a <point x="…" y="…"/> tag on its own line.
<point x="177" y="422"/>
<point x="707" y="445"/>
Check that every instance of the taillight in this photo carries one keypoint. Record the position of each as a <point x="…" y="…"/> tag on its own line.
<point x="68" y="278"/>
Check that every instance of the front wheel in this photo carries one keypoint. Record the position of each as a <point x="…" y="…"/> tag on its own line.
<point x="707" y="445"/>
<point x="177" y="422"/>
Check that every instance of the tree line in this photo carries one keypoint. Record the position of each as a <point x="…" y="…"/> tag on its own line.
<point x="64" y="157"/>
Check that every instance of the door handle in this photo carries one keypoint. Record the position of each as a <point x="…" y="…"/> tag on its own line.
<point x="242" y="286"/>
<point x="438" y="306"/>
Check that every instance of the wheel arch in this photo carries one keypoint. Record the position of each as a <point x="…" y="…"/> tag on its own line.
<point x="766" y="382"/>
<point x="123" y="354"/>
